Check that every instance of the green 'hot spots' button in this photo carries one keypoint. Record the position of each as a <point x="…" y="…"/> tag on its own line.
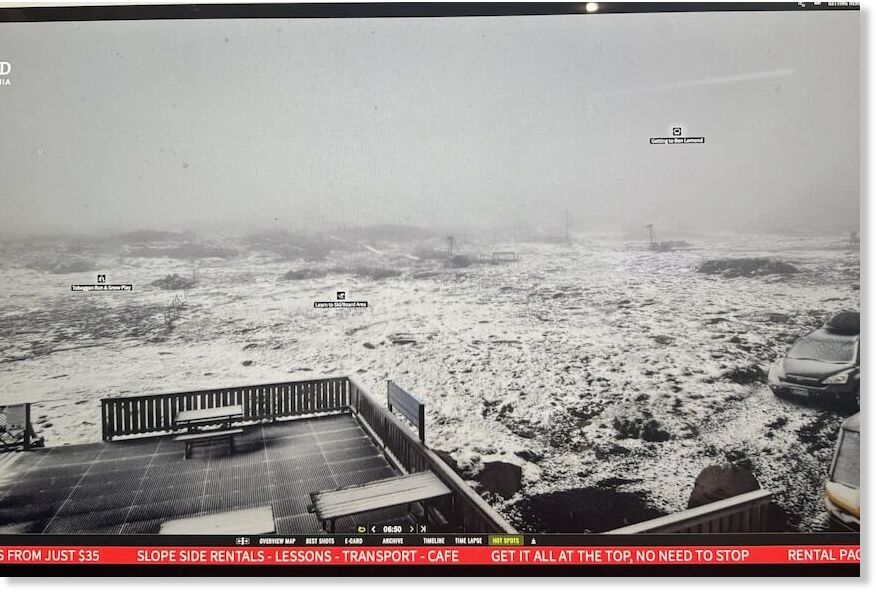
<point x="506" y="540"/>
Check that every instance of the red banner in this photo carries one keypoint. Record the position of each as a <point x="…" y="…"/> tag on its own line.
<point x="560" y="555"/>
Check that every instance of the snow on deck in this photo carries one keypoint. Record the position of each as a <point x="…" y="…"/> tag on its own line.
<point x="132" y="486"/>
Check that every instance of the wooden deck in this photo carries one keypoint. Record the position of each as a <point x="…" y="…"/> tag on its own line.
<point x="133" y="486"/>
<point x="465" y="511"/>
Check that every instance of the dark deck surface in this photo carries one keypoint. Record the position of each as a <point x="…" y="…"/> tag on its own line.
<point x="133" y="486"/>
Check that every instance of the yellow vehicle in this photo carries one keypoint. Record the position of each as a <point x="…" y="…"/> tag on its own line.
<point x="841" y="492"/>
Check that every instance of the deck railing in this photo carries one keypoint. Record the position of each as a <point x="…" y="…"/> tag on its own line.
<point x="469" y="510"/>
<point x="154" y="414"/>
<point x="745" y="513"/>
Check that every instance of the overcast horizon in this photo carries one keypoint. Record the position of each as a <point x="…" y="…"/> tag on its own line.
<point x="501" y="121"/>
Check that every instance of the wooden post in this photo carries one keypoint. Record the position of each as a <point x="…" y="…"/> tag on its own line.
<point x="421" y="426"/>
<point x="27" y="427"/>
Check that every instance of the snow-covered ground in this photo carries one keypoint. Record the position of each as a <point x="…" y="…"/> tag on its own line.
<point x="540" y="362"/>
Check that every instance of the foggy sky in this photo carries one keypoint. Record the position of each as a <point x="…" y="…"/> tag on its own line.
<point x="295" y="123"/>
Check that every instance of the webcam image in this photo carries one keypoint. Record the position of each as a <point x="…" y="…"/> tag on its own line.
<point x="510" y="275"/>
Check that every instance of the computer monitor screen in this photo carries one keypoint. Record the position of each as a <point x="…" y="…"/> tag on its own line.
<point x="471" y="274"/>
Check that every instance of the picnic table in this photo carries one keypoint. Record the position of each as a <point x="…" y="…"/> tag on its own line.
<point x="254" y="521"/>
<point x="330" y="505"/>
<point x="194" y="421"/>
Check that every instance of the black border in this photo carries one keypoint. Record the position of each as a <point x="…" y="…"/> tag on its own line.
<point x="824" y="538"/>
<point x="379" y="10"/>
<point x="401" y="10"/>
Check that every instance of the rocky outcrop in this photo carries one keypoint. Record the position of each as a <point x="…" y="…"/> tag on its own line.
<point x="501" y="478"/>
<point x="718" y="482"/>
<point x="174" y="282"/>
<point x="746" y="266"/>
<point x="746" y="375"/>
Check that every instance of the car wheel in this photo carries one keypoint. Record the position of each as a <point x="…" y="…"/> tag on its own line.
<point x="850" y="405"/>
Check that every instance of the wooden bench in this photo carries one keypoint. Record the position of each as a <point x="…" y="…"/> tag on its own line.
<point x="330" y="505"/>
<point x="203" y="438"/>
<point x="255" y="521"/>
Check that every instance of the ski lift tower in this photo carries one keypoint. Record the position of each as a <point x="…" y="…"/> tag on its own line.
<point x="652" y="236"/>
